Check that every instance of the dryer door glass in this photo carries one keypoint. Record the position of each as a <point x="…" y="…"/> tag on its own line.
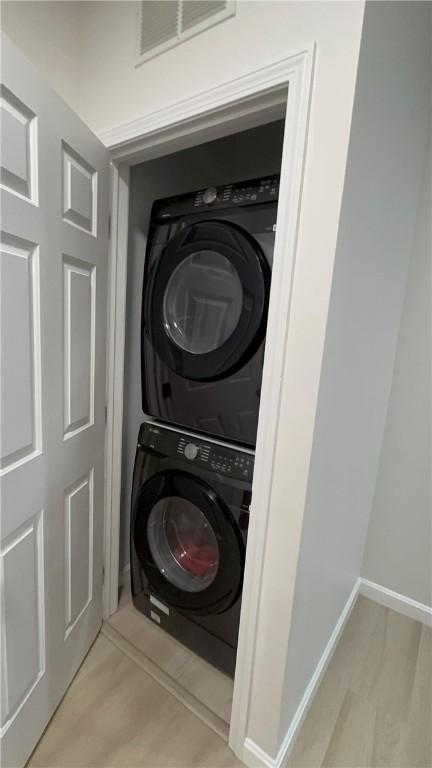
<point x="183" y="544"/>
<point x="205" y="301"/>
<point x="202" y="302"/>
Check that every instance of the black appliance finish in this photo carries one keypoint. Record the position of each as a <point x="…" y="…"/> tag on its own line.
<point x="190" y="514"/>
<point x="204" y="309"/>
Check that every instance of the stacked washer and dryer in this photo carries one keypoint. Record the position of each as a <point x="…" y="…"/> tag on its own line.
<point x="204" y="312"/>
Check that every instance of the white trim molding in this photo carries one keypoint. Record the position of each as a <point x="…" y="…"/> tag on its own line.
<point x="280" y="89"/>
<point x="254" y="753"/>
<point x="397" y="602"/>
<point x="117" y="278"/>
<point x="254" y="92"/>
<point x="299" y="74"/>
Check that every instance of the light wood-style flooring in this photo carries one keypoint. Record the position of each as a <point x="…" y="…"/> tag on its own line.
<point x="207" y="685"/>
<point x="374" y="705"/>
<point x="373" y="708"/>
<point x="116" y="716"/>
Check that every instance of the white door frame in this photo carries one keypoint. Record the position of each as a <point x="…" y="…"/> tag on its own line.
<point x="249" y="100"/>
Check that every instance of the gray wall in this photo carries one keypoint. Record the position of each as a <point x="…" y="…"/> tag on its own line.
<point x="50" y="34"/>
<point x="245" y="155"/>
<point x="385" y="168"/>
<point x="398" y="546"/>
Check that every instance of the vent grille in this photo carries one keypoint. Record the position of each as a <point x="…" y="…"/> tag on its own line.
<point x="159" y="23"/>
<point x="165" y="23"/>
<point x="196" y="11"/>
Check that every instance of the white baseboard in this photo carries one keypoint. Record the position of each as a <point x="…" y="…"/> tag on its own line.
<point x="124" y="577"/>
<point x="253" y="754"/>
<point x="396" y="601"/>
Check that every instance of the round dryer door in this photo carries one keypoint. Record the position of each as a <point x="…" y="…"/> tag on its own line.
<point x="205" y="305"/>
<point x="188" y="543"/>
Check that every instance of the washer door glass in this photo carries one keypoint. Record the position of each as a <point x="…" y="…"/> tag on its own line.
<point x="202" y="302"/>
<point x="183" y="544"/>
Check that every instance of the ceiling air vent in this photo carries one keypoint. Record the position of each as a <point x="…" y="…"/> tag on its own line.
<point x="165" y="23"/>
<point x="196" y="11"/>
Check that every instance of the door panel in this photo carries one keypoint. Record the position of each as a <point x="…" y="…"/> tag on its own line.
<point x="79" y="501"/>
<point x="19" y="146"/>
<point x="54" y="204"/>
<point x="79" y="352"/>
<point x="20" y="351"/>
<point x="79" y="191"/>
<point x="23" y="603"/>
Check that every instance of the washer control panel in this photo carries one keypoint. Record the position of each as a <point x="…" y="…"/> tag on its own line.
<point x="221" y="459"/>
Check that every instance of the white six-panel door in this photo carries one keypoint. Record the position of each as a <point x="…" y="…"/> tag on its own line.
<point x="54" y="232"/>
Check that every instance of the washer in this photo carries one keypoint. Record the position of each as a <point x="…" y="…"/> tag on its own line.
<point x="204" y="309"/>
<point x="190" y="514"/>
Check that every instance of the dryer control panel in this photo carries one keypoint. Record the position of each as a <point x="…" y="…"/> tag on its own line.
<point x="216" y="457"/>
<point x="242" y="193"/>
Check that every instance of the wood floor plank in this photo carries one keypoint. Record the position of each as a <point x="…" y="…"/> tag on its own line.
<point x="209" y="685"/>
<point x="351" y="742"/>
<point x="415" y="747"/>
<point x="114" y="715"/>
<point x="386" y="740"/>
<point x="313" y="740"/>
<point x="364" y="736"/>
<point x="385" y="676"/>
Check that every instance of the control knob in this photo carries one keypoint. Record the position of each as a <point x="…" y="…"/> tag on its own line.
<point x="210" y="195"/>
<point x="191" y="451"/>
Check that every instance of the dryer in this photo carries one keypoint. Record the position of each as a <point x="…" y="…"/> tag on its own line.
<point x="204" y="307"/>
<point x="190" y="514"/>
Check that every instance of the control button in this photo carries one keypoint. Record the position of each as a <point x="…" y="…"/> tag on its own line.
<point x="191" y="451"/>
<point x="210" y="195"/>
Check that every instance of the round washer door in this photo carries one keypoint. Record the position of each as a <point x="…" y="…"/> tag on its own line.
<point x="205" y="306"/>
<point x="188" y="544"/>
